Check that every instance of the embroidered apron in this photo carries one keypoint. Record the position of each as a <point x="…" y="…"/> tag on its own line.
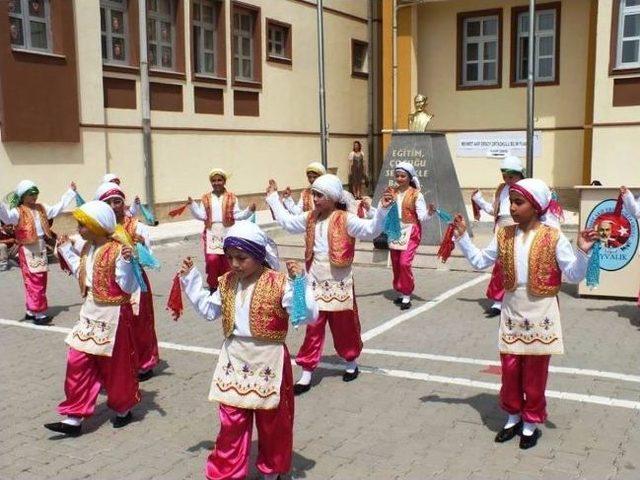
<point x="248" y="374"/>
<point x="530" y="325"/>
<point x="214" y="239"/>
<point x="332" y="286"/>
<point x="35" y="255"/>
<point x="405" y="235"/>
<point x="95" y="331"/>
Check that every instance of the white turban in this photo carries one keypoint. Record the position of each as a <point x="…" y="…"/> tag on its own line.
<point x="110" y="177"/>
<point x="108" y="190"/>
<point x="330" y="186"/>
<point x="316" y="167"/>
<point x="410" y="170"/>
<point x="23" y="186"/>
<point x="218" y="171"/>
<point x="536" y="192"/>
<point x="97" y="216"/>
<point x="246" y="231"/>
<point x="512" y="163"/>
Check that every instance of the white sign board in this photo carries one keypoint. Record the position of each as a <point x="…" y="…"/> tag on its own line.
<point x="496" y="144"/>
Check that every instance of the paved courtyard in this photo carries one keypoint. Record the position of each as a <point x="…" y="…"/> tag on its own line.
<point x="424" y="407"/>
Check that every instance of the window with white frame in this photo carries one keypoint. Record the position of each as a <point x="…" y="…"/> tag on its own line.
<point x="114" y="32"/>
<point x="628" y="47"/>
<point x="243" y="55"/>
<point x="545" y="47"/>
<point x="30" y="24"/>
<point x="161" y="34"/>
<point x="204" y="23"/>
<point x="480" y="50"/>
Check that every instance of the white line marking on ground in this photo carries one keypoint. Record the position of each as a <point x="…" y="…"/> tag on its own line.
<point x="409" y="375"/>
<point x="389" y="324"/>
<point x="474" y="361"/>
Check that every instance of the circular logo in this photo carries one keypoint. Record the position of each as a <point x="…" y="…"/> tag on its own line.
<point x="618" y="235"/>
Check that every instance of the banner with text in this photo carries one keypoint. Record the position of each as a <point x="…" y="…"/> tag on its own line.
<point x="496" y="144"/>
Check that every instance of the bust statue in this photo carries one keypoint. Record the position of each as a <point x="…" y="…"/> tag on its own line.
<point x="419" y="119"/>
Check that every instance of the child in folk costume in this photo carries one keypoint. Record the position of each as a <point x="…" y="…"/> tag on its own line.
<point x="512" y="171"/>
<point x="413" y="212"/>
<point x="129" y="210"/>
<point x="144" y="331"/>
<point x="633" y="206"/>
<point x="32" y="231"/>
<point x="102" y="352"/>
<point x="253" y="377"/>
<point x="305" y="203"/>
<point x="534" y="257"/>
<point x="330" y="246"/>
<point x="218" y="210"/>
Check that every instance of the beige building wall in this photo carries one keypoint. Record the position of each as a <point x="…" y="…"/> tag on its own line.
<point x="560" y="109"/>
<point x="616" y="130"/>
<point x="184" y="147"/>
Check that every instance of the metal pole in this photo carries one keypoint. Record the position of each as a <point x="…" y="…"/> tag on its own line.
<point x="146" y="107"/>
<point x="394" y="65"/>
<point x="531" y="86"/>
<point x="323" y="106"/>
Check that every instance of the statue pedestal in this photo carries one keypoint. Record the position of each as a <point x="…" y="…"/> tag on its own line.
<point x="429" y="154"/>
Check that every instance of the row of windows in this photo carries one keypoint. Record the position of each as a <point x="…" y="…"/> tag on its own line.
<point x="30" y="28"/>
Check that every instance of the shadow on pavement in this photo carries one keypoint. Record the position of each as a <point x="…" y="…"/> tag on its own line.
<point x="630" y="312"/>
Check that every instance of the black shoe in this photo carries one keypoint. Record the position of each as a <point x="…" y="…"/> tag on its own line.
<point x="144" y="376"/>
<point x="29" y="318"/>
<point x="42" y="320"/>
<point x="299" y="389"/>
<point x="529" y="441"/>
<point x="120" y="422"/>
<point x="65" y="429"/>
<point x="493" y="312"/>
<point x="350" y="376"/>
<point x="507" y="434"/>
<point x="397" y="301"/>
<point x="405" y="305"/>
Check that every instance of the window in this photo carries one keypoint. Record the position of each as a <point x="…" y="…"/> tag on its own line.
<point x="278" y="41"/>
<point x="30" y="24"/>
<point x="359" y="59"/>
<point x="628" y="35"/>
<point x="161" y="34"/>
<point x="246" y="46"/>
<point x="204" y="21"/>
<point x="546" y="48"/>
<point x="113" y="27"/>
<point x="479" y="50"/>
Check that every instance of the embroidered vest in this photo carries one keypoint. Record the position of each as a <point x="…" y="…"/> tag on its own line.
<point x="228" y="205"/>
<point x="545" y="275"/>
<point x="496" y="201"/>
<point x="268" y="320"/>
<point x="26" y="229"/>
<point x="341" y="244"/>
<point x="307" y="200"/>
<point x="104" y="287"/>
<point x="130" y="225"/>
<point x="409" y="214"/>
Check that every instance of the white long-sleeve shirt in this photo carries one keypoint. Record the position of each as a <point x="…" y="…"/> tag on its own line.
<point x="488" y="207"/>
<point x="573" y="265"/>
<point x="11" y="216"/>
<point x="421" y="206"/>
<point x="124" y="270"/>
<point x="631" y="204"/>
<point x="293" y="207"/>
<point x="356" y="227"/>
<point x="209" y="305"/>
<point x="198" y="210"/>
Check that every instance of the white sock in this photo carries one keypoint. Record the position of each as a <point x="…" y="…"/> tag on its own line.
<point x="497" y="305"/>
<point x="270" y="476"/>
<point x="406" y="298"/>
<point x="40" y="315"/>
<point x="29" y="312"/>
<point x="351" y="366"/>
<point x="305" y="378"/>
<point x="74" y="421"/>
<point x="528" y="429"/>
<point x="512" y="420"/>
<point x="123" y="414"/>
